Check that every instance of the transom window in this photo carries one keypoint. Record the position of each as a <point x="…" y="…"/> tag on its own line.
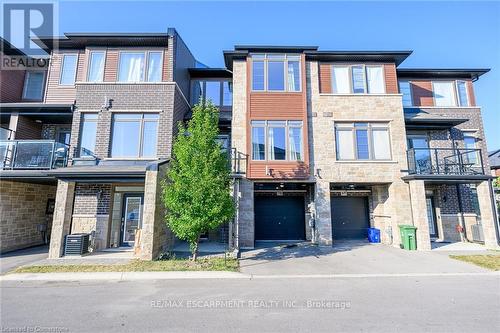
<point x="450" y="93"/>
<point x="276" y="72"/>
<point x="362" y="141"/>
<point x="134" y="135"/>
<point x="277" y="140"/>
<point x="33" y="85"/>
<point x="68" y="69"/>
<point x="96" y="66"/>
<point x="140" y="66"/>
<point x="219" y="92"/>
<point x="358" y="79"/>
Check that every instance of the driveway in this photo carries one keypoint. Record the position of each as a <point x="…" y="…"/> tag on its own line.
<point x="348" y="257"/>
<point x="14" y="259"/>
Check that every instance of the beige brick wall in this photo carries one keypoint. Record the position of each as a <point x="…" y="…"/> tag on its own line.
<point x="22" y="209"/>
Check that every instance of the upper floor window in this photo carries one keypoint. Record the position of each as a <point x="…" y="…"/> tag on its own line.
<point x="276" y="72"/>
<point x="68" y="69"/>
<point x="358" y="79"/>
<point x="96" y="66"/>
<point x="279" y="140"/>
<point x="33" y="85"/>
<point x="140" y="66"/>
<point x="405" y="90"/>
<point x="450" y="93"/>
<point x="134" y="135"/>
<point x="88" y="132"/>
<point x="220" y="93"/>
<point x="362" y="141"/>
<point x="471" y="155"/>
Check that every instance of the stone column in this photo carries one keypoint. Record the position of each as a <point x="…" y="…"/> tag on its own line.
<point x="62" y="218"/>
<point x="323" y="223"/>
<point x="419" y="211"/>
<point x="487" y="217"/>
<point x="246" y="220"/>
<point x="151" y="235"/>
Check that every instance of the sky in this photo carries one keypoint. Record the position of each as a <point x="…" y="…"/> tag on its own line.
<point x="448" y="34"/>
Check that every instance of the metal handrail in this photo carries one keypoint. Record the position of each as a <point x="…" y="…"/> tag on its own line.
<point x="445" y="161"/>
<point x="38" y="154"/>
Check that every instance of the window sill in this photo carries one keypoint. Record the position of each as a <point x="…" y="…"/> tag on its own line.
<point x="366" y="161"/>
<point x="440" y="107"/>
<point x="372" y="95"/>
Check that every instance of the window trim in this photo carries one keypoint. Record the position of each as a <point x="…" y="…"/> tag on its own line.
<point x="142" y="120"/>
<point x="351" y="125"/>
<point x="89" y="63"/>
<point x="265" y="126"/>
<point x="75" y="54"/>
<point x="285" y="60"/>
<point x="454" y="89"/>
<point x="466" y="93"/>
<point x="145" y="52"/>
<point x="80" y="132"/>
<point x="44" y="74"/>
<point x="351" y="78"/>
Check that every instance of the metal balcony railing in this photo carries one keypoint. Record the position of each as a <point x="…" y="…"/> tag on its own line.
<point x="445" y="161"/>
<point x="33" y="154"/>
<point x="5" y="133"/>
<point x="238" y="162"/>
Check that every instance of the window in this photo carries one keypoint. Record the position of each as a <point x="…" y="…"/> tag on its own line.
<point x="358" y="79"/>
<point x="133" y="67"/>
<point x="33" y="85"/>
<point x="134" y="135"/>
<point x="68" y="69"/>
<point x="276" y="72"/>
<point x="277" y="140"/>
<point x="96" y="67"/>
<point x="463" y="99"/>
<point x="471" y="156"/>
<point x="405" y="90"/>
<point x="219" y="92"/>
<point x="444" y="93"/>
<point x="88" y="134"/>
<point x="362" y="141"/>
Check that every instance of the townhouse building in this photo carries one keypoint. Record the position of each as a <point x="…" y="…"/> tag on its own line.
<point x="323" y="144"/>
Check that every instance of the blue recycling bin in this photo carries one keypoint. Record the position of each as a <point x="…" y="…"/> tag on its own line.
<point x="373" y="235"/>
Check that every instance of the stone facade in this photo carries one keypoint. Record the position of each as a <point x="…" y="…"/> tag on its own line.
<point x="23" y="210"/>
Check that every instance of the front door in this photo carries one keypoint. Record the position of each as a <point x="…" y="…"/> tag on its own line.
<point x="431" y="217"/>
<point x="131" y="217"/>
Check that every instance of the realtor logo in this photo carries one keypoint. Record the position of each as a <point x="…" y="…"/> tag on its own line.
<point x="23" y="21"/>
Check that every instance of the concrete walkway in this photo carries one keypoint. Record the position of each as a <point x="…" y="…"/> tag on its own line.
<point x="11" y="260"/>
<point x="350" y="257"/>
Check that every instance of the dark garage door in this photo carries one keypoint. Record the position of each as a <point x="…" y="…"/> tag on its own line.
<point x="349" y="217"/>
<point x="279" y="218"/>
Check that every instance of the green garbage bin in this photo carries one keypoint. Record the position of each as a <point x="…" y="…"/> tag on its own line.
<point x="408" y="237"/>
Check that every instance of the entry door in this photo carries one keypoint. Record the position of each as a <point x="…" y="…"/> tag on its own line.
<point x="279" y="218"/>
<point x="131" y="218"/>
<point x="349" y="217"/>
<point x="431" y="217"/>
<point x="420" y="144"/>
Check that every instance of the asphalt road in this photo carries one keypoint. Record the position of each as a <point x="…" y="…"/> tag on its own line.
<point x="369" y="304"/>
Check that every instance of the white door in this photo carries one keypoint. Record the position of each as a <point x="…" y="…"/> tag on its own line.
<point x="131" y="219"/>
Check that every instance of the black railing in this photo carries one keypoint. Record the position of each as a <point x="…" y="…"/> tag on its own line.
<point x="238" y="162"/>
<point x="33" y="154"/>
<point x="445" y="161"/>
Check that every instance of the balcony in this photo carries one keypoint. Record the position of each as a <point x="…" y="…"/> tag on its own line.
<point x="445" y="161"/>
<point x="238" y="162"/>
<point x="33" y="154"/>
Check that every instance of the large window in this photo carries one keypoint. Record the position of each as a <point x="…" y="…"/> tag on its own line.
<point x="276" y="72"/>
<point x="219" y="92"/>
<point x="134" y="135"/>
<point x="405" y="90"/>
<point x="444" y="93"/>
<point x="88" y="134"/>
<point x="140" y="66"/>
<point x="96" y="66"/>
<point x="277" y="140"/>
<point x="463" y="99"/>
<point x="362" y="141"/>
<point x="358" y="79"/>
<point x="33" y="85"/>
<point x="68" y="69"/>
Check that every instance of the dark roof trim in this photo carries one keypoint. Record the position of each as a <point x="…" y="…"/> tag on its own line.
<point x="377" y="56"/>
<point x="230" y="56"/>
<point x="10" y="49"/>
<point x="36" y="107"/>
<point x="210" y="73"/>
<point x="449" y="73"/>
<point x="274" y="48"/>
<point x="456" y="179"/>
<point x="82" y="40"/>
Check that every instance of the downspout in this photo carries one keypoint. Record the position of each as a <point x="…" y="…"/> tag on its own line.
<point x="461" y="210"/>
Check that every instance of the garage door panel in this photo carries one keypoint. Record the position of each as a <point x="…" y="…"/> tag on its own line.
<point x="279" y="218"/>
<point x="349" y="217"/>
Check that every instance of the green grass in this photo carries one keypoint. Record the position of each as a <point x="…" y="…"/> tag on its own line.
<point x="203" y="264"/>
<point x="489" y="261"/>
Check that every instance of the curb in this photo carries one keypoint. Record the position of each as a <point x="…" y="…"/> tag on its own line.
<point x="187" y="275"/>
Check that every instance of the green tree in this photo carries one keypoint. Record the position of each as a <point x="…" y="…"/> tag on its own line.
<point x="196" y="190"/>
